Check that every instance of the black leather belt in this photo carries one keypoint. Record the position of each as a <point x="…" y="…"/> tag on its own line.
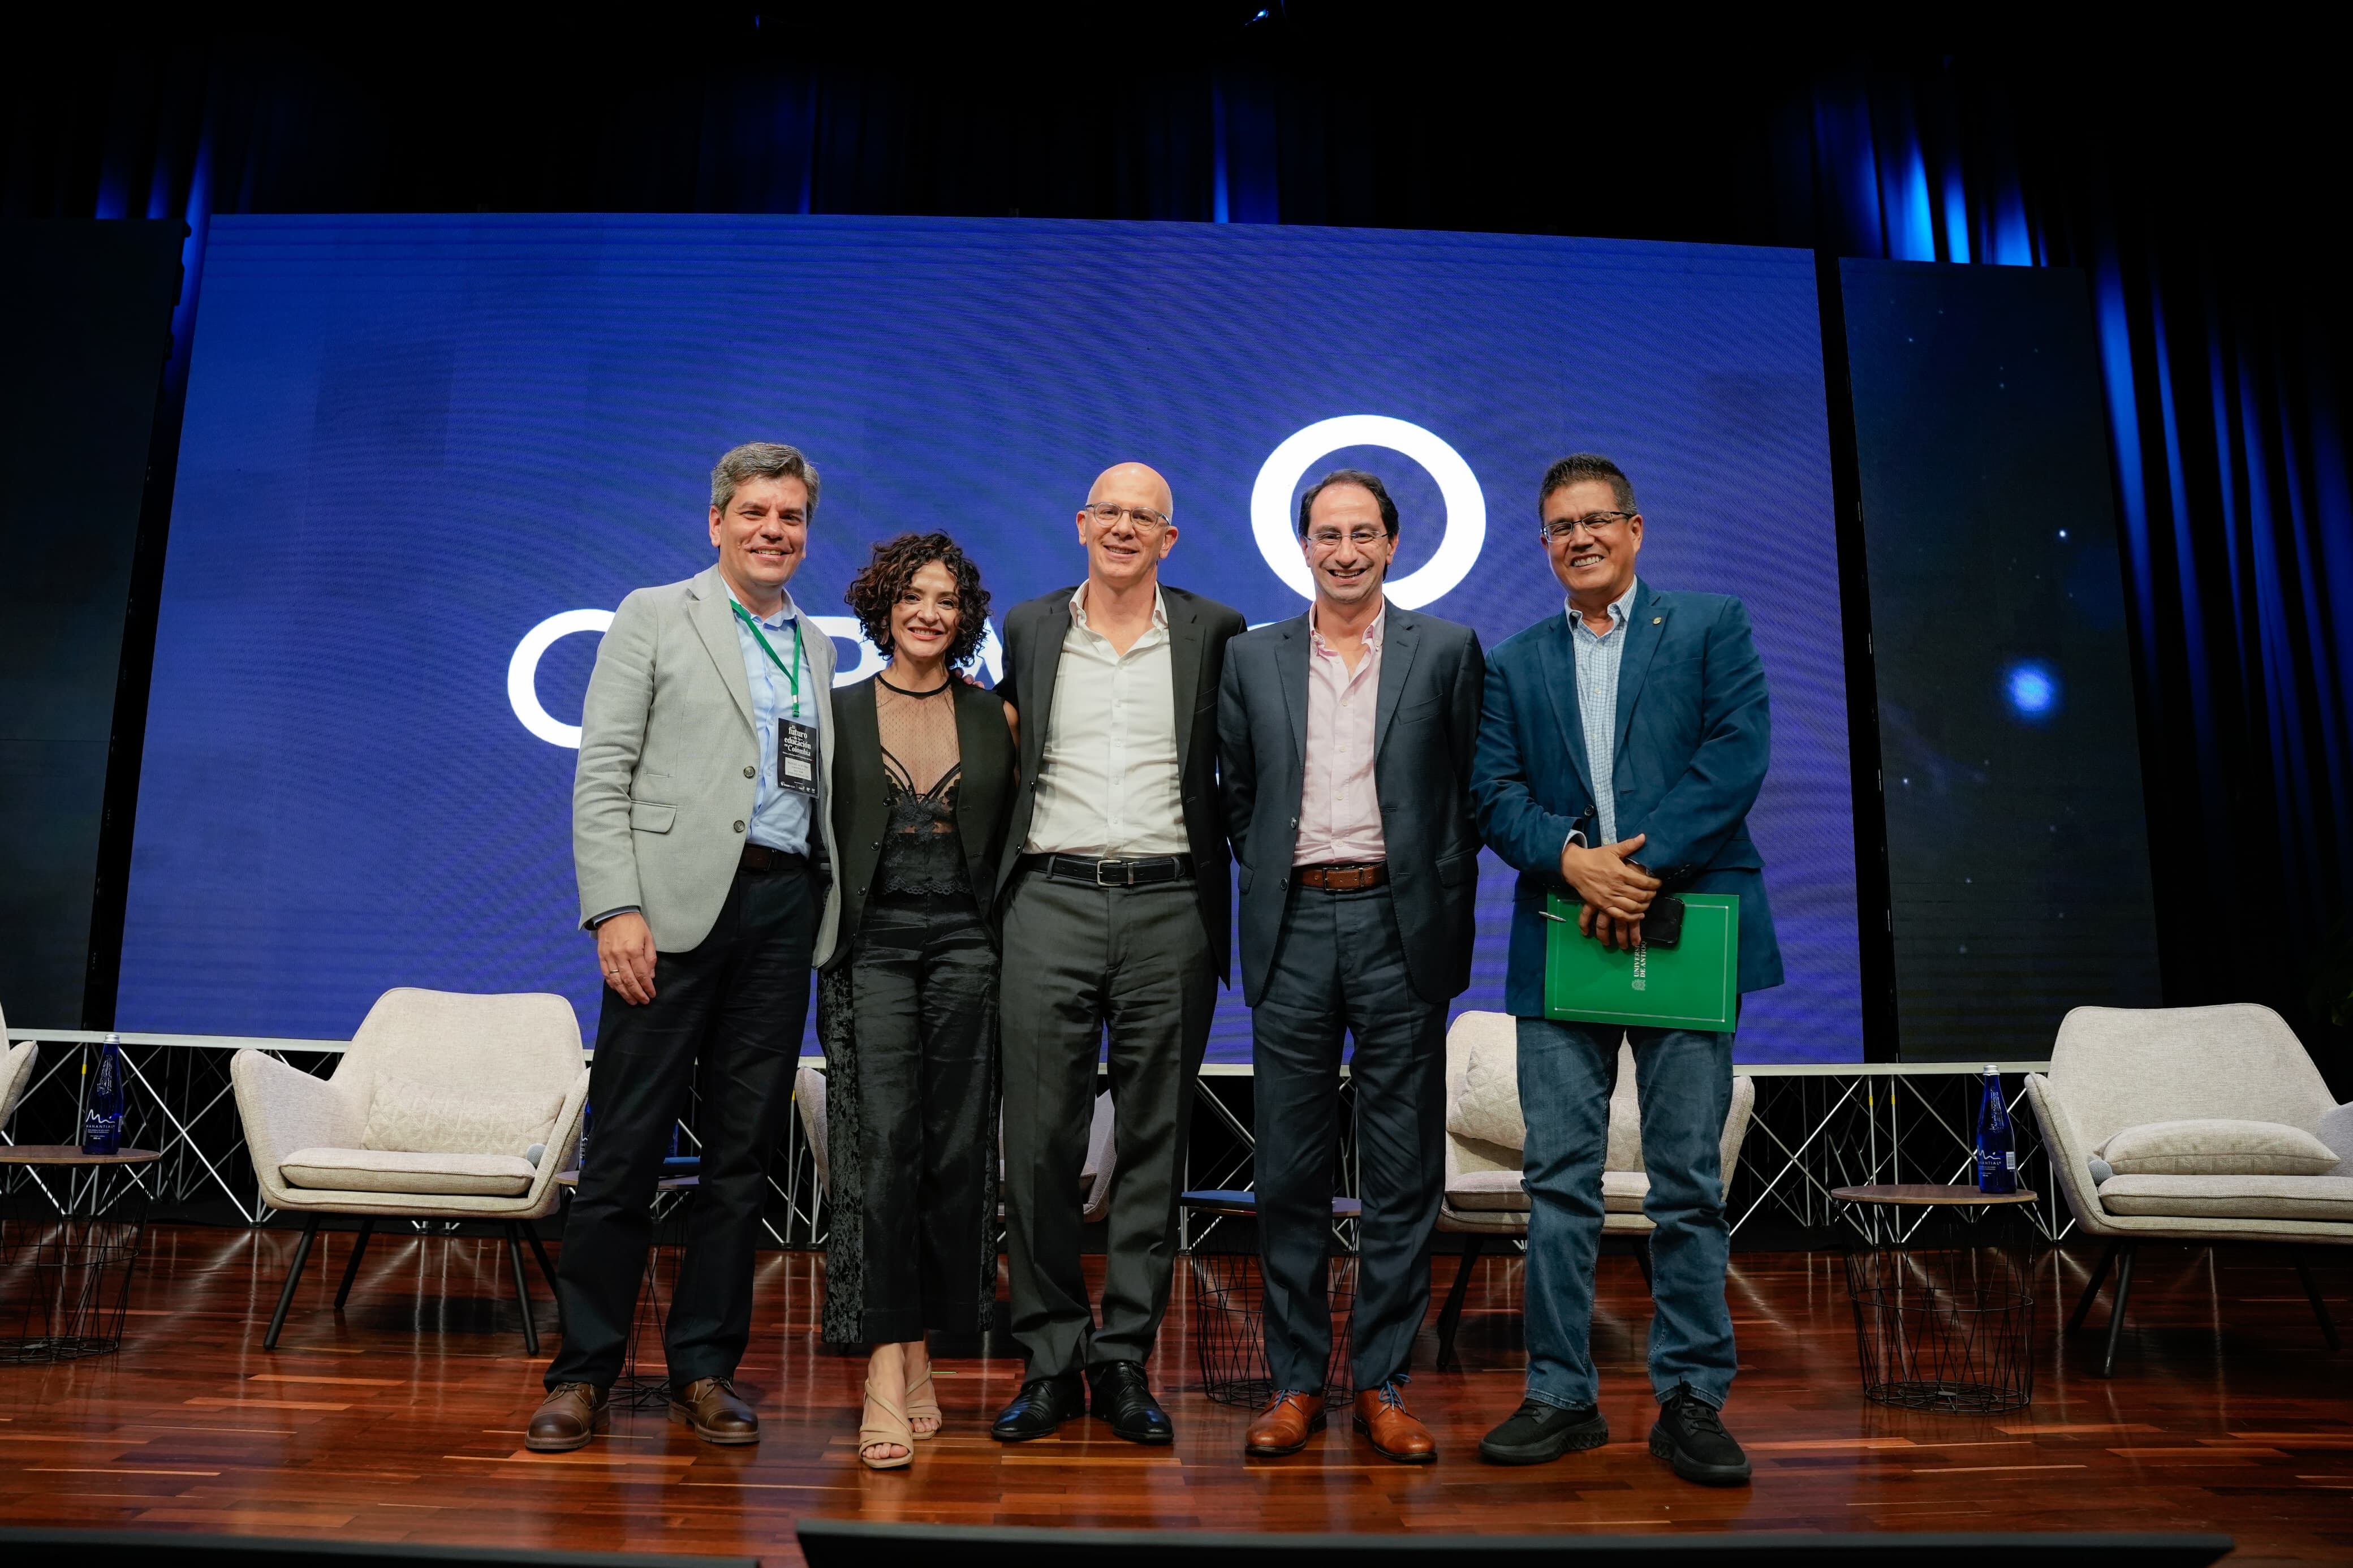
<point x="1343" y="876"/>
<point x="760" y="858"/>
<point x="1114" y="873"/>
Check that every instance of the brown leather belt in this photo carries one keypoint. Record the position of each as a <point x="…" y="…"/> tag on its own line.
<point x="760" y="858"/>
<point x="1342" y="877"/>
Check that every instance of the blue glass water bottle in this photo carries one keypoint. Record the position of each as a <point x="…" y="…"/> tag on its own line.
<point x="1997" y="1147"/>
<point x="102" y="1119"/>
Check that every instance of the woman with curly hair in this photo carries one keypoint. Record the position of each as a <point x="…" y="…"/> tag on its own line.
<point x="923" y="782"/>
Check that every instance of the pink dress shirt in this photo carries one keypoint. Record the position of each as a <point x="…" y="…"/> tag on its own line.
<point x="1339" y="809"/>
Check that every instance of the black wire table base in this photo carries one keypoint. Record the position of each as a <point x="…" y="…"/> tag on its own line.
<point x="1229" y="1327"/>
<point x="67" y="1276"/>
<point x="1949" y="1329"/>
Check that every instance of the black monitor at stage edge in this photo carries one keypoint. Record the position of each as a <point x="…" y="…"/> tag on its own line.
<point x="851" y="1543"/>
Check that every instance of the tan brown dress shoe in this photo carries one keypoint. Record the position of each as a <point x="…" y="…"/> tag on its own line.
<point x="710" y="1406"/>
<point x="570" y="1414"/>
<point x="1284" y="1426"/>
<point x="1382" y="1417"/>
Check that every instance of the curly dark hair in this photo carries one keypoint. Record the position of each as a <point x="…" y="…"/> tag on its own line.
<point x="895" y="561"/>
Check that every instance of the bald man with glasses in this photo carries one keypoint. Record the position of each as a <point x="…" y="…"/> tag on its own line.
<point x="1116" y="908"/>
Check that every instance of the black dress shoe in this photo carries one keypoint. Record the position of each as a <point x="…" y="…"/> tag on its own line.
<point x="1124" y="1399"/>
<point x="1538" y="1433"/>
<point x="1690" y="1436"/>
<point x="1043" y="1404"/>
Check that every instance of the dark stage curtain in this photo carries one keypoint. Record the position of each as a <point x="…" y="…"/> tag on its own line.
<point x="2183" y="187"/>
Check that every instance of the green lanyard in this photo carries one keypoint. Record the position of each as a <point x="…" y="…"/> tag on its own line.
<point x="793" y="671"/>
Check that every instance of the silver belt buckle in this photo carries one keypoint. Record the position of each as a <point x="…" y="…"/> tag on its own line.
<point x="1124" y="871"/>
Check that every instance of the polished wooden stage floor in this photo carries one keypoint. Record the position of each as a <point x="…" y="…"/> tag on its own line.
<point x="403" y="1419"/>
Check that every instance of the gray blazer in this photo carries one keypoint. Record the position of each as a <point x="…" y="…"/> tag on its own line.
<point x="1425" y="729"/>
<point x="668" y="760"/>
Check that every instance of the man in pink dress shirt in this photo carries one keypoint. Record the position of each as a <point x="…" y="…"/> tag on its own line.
<point x="1346" y="739"/>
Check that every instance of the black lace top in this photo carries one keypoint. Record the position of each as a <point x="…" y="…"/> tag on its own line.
<point x="922" y="851"/>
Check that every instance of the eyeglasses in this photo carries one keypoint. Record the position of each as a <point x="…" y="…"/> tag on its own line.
<point x="1146" y="520"/>
<point x="1592" y="522"/>
<point x="1327" y="540"/>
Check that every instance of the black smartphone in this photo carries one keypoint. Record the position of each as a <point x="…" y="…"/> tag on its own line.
<point x="1662" y="923"/>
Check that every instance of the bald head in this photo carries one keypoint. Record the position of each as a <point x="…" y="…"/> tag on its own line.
<point x="1125" y="528"/>
<point x="1133" y="484"/>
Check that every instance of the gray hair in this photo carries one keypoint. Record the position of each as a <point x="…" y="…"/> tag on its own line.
<point x="761" y="460"/>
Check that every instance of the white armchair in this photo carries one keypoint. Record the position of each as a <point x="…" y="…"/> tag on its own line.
<point x="2196" y="1088"/>
<point x="445" y="1107"/>
<point x="1485" y="1134"/>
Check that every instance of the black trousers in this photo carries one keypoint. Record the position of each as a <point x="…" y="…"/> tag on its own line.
<point x="923" y="976"/>
<point x="1341" y="969"/>
<point x="736" y="1005"/>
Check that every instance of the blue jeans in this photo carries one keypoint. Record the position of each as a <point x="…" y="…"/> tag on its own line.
<point x="1568" y="1072"/>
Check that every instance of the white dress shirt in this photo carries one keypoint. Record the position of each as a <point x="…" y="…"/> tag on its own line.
<point x="1109" y="785"/>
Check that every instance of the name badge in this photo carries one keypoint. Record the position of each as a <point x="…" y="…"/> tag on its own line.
<point x="796" y="757"/>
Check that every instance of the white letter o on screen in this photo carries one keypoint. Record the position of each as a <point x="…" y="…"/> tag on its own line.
<point x="523" y="673"/>
<point x="1466" y="505"/>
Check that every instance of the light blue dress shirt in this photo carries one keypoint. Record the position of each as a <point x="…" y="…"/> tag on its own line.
<point x="780" y="817"/>
<point x="1598" y="659"/>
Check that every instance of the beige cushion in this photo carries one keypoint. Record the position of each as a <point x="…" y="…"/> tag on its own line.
<point x="2213" y="1146"/>
<point x="2230" y="1197"/>
<point x="1504" y="1192"/>
<point x="397" y="1171"/>
<point x="1498" y="1189"/>
<point x="1485" y="1104"/>
<point x="423" y="1118"/>
<point x="1622" y="1192"/>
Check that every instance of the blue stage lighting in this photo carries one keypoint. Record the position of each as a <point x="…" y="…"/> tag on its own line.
<point x="2033" y="690"/>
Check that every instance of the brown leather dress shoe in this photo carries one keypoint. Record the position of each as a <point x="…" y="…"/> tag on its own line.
<point x="1284" y="1426"/>
<point x="570" y="1414"/>
<point x="710" y="1406"/>
<point x="1382" y="1417"/>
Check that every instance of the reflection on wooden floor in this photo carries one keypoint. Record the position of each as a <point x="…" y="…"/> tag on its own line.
<point x="403" y="1419"/>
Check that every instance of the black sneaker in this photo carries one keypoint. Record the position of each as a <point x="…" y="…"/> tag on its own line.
<point x="1538" y="1433"/>
<point x="1690" y="1436"/>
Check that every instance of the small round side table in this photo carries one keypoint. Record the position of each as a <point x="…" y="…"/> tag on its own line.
<point x="78" y="1265"/>
<point x="1948" y="1328"/>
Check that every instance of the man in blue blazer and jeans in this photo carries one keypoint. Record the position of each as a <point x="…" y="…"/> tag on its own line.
<point x="1621" y="746"/>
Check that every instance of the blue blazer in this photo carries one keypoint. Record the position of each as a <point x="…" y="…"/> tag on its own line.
<point x="1695" y="734"/>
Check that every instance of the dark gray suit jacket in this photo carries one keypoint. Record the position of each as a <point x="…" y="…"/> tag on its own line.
<point x="1425" y="731"/>
<point x="1198" y="630"/>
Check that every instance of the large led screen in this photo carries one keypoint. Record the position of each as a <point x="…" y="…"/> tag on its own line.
<point x="424" y="457"/>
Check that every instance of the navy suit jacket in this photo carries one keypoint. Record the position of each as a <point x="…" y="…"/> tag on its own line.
<point x="1694" y="738"/>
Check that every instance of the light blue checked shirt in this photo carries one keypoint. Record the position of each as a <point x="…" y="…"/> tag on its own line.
<point x="1598" y="659"/>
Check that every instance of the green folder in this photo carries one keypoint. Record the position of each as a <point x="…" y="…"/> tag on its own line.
<point x="1695" y="985"/>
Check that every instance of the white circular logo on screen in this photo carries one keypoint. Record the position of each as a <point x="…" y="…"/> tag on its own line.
<point x="1466" y="505"/>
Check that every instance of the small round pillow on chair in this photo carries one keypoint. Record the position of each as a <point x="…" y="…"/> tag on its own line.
<point x="2217" y="1147"/>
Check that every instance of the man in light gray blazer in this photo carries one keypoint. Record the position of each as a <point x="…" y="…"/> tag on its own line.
<point x="702" y="840"/>
<point x="1345" y="737"/>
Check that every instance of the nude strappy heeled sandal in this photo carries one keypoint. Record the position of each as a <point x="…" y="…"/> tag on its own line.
<point x="923" y="1402"/>
<point x="902" y="1433"/>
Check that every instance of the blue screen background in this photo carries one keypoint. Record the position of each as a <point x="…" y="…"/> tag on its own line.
<point x="410" y="439"/>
